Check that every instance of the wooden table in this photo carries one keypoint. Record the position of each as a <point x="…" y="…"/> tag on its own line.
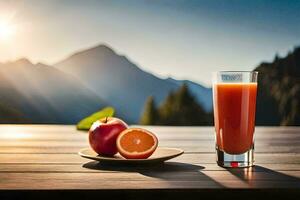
<point x="42" y="161"/>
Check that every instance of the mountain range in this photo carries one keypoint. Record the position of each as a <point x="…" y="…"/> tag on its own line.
<point x="37" y="93"/>
<point x="91" y="79"/>
<point x="82" y="84"/>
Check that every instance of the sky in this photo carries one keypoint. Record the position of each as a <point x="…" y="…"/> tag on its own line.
<point x="177" y="38"/>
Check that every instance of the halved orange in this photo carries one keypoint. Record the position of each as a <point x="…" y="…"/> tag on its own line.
<point x="136" y="143"/>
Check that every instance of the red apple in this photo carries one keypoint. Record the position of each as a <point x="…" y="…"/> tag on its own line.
<point x="103" y="135"/>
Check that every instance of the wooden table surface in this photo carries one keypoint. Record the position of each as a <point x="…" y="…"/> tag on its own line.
<point x="43" y="159"/>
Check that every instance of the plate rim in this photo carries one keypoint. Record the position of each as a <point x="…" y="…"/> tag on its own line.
<point x="109" y="159"/>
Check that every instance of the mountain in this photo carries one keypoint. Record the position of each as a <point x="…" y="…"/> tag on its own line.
<point x="278" y="100"/>
<point x="38" y="93"/>
<point x="120" y="82"/>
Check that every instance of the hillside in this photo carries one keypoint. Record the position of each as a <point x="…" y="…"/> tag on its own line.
<point x="279" y="91"/>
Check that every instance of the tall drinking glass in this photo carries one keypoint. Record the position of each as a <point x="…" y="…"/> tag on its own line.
<point x="234" y="95"/>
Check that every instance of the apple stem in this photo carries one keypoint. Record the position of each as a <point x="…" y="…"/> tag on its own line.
<point x="106" y="119"/>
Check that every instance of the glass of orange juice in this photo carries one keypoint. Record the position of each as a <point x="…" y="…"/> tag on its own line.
<point x="234" y="96"/>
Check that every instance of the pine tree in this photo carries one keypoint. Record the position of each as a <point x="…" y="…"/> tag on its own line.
<point x="181" y="108"/>
<point x="150" y="115"/>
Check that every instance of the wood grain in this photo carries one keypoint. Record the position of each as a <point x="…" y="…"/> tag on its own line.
<point x="44" y="157"/>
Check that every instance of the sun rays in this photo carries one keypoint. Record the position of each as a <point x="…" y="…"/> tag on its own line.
<point x="7" y="30"/>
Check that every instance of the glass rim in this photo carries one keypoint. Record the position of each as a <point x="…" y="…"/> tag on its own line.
<point x="235" y="71"/>
<point x="245" y="76"/>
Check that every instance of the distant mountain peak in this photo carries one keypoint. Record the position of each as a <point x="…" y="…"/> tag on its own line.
<point x="103" y="47"/>
<point x="99" y="49"/>
<point x="39" y="64"/>
<point x="23" y="61"/>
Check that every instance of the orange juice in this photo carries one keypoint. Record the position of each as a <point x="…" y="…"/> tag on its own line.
<point x="234" y="115"/>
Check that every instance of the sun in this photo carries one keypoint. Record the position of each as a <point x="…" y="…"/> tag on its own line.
<point x="6" y="31"/>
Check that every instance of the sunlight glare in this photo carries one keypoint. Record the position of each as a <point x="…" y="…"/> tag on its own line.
<point x="6" y="31"/>
<point x="14" y="133"/>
